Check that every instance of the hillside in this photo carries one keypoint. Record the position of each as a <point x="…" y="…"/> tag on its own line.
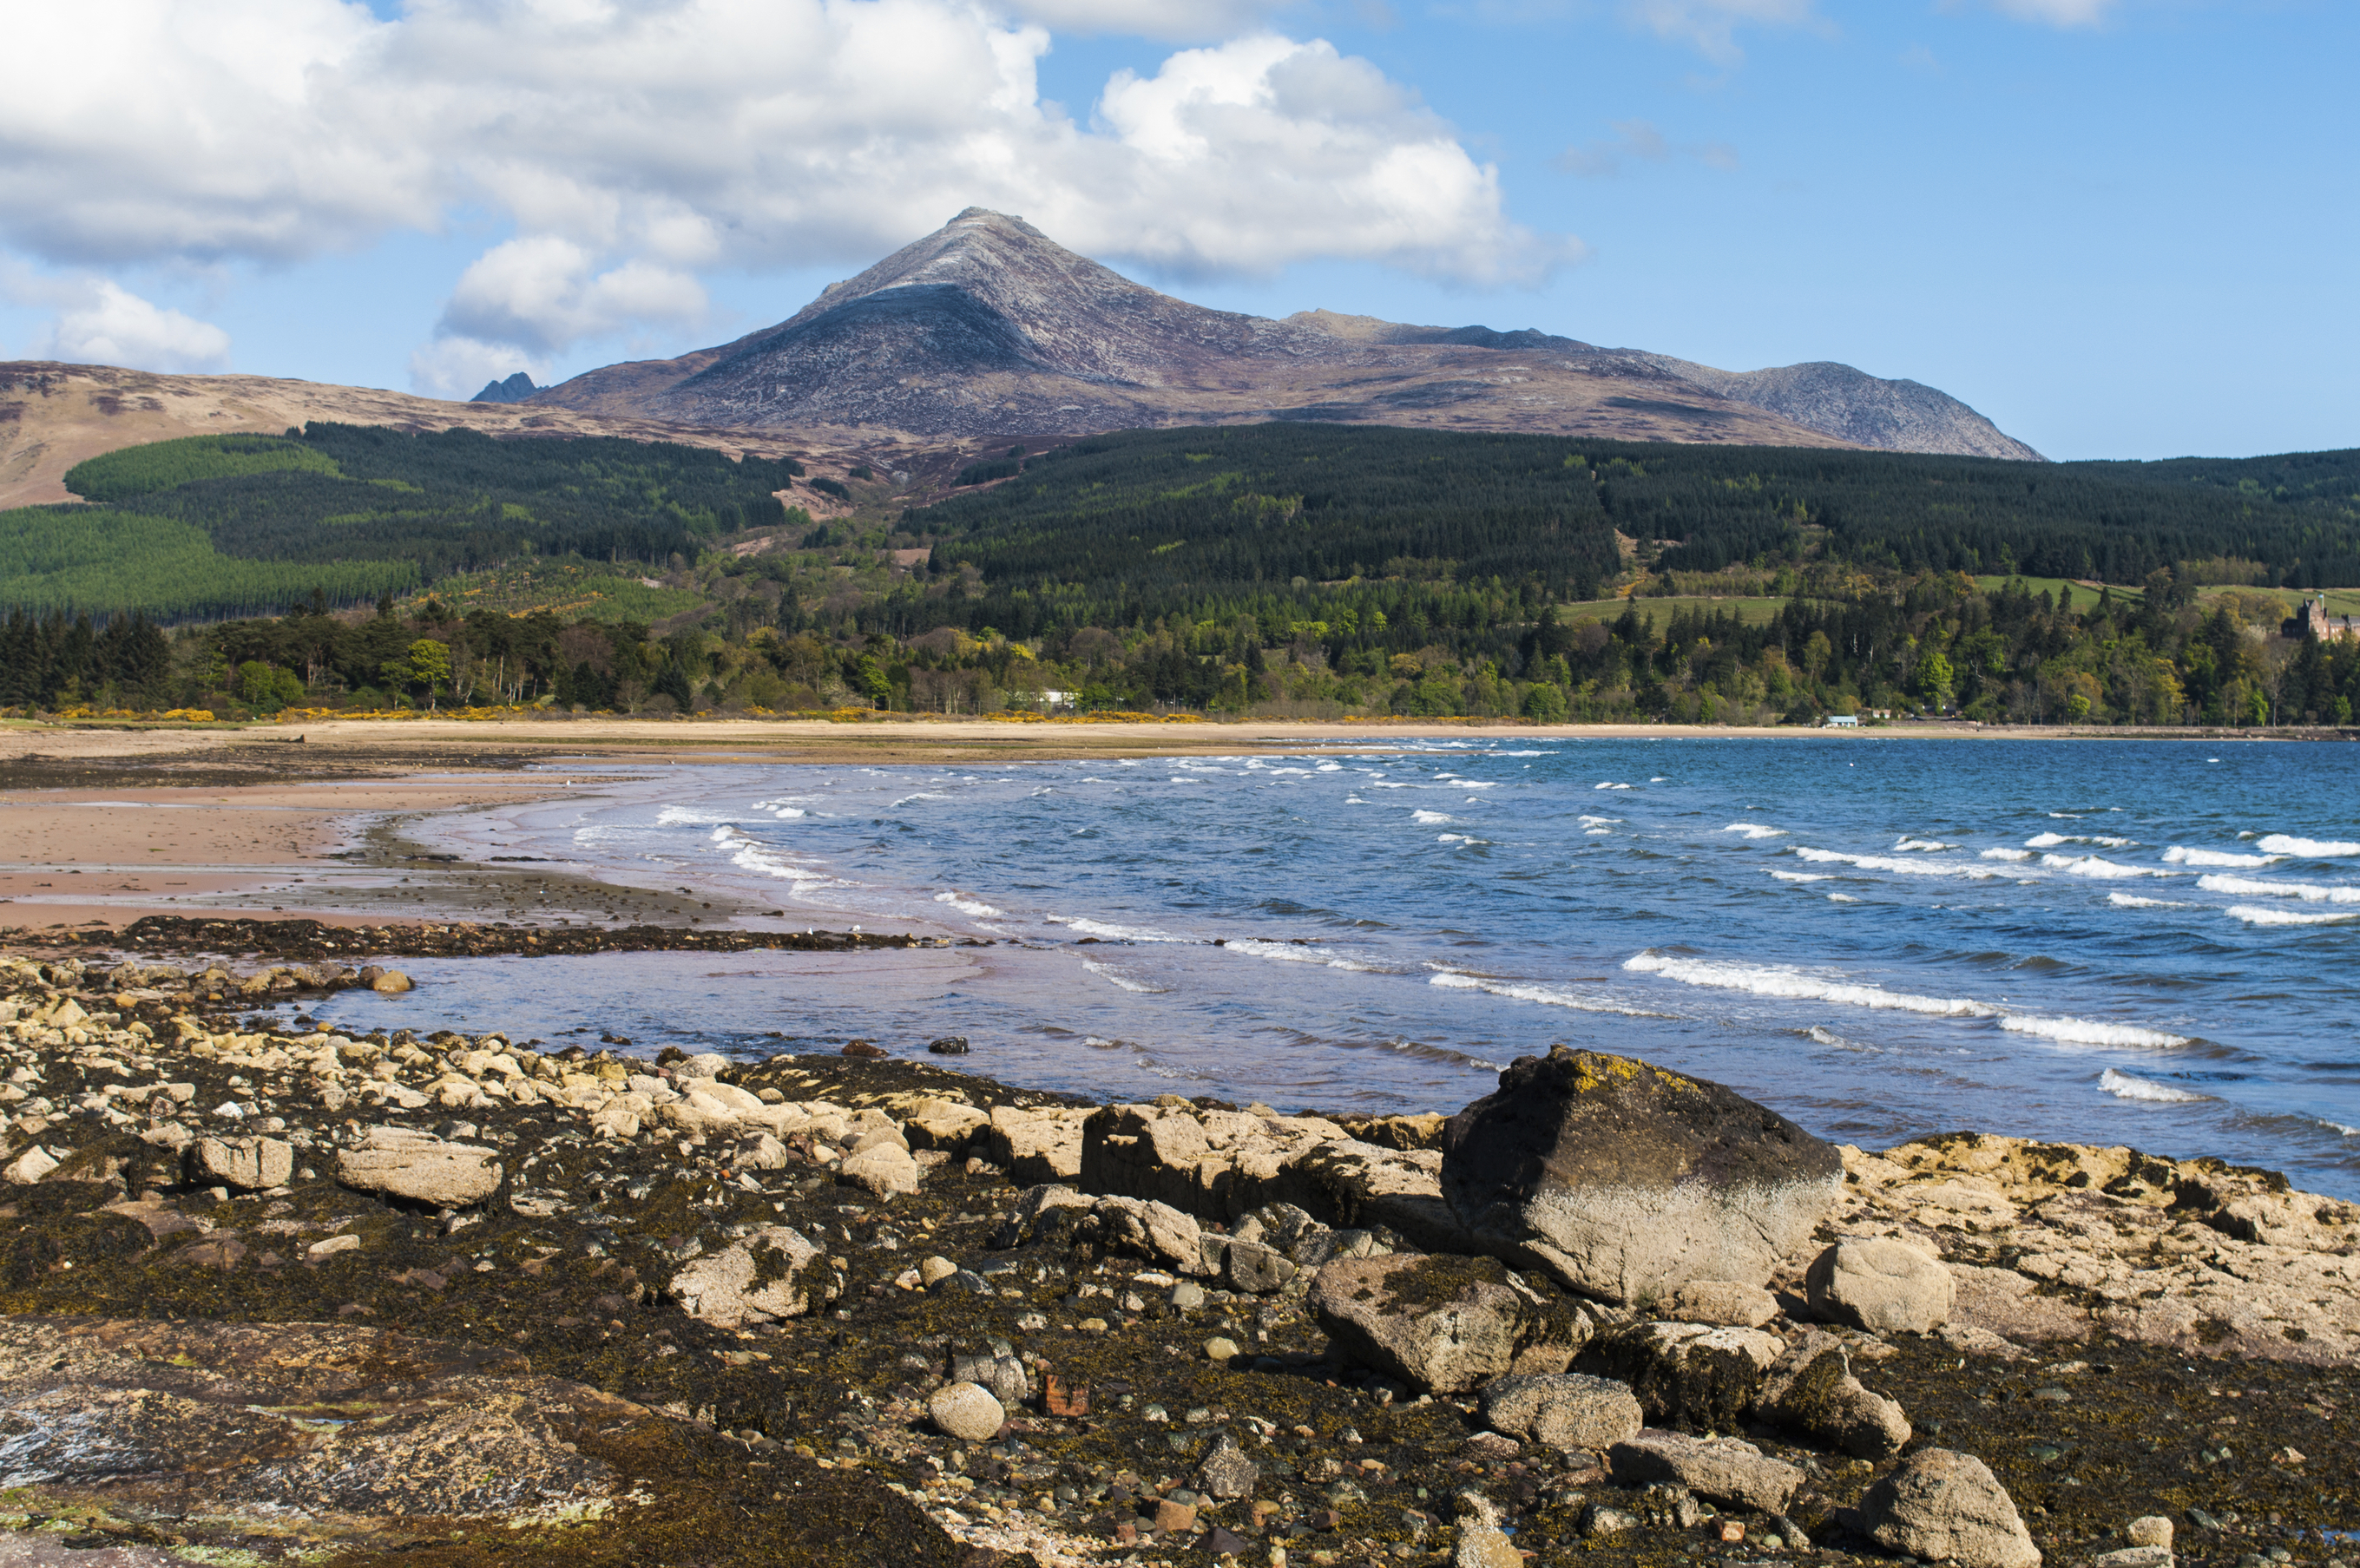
<point x="988" y="329"/>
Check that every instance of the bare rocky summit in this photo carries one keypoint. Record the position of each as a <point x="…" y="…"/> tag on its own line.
<point x="990" y="328"/>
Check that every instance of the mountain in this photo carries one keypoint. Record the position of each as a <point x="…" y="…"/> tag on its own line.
<point x="514" y="389"/>
<point x="987" y="328"/>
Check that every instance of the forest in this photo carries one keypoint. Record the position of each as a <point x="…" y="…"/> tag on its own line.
<point x="1282" y="568"/>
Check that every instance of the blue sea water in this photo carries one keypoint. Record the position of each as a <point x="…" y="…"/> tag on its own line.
<point x="2142" y="942"/>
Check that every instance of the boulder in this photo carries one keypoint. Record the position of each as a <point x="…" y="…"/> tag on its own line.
<point x="1723" y="1470"/>
<point x="1625" y="1181"/>
<point x="392" y="983"/>
<point x="1362" y="1186"/>
<point x="247" y="1164"/>
<point x="1880" y="1285"/>
<point x="774" y="1273"/>
<point x="1036" y="1145"/>
<point x="1811" y="1390"/>
<point x="1723" y="1302"/>
<point x="1445" y="1324"/>
<point x="399" y="1162"/>
<point x="1564" y="1410"/>
<point x="1247" y="1266"/>
<point x="30" y="1166"/>
<point x="1226" y="1473"/>
<point x="1947" y="1506"/>
<point x="1150" y="1230"/>
<point x="881" y="1169"/>
<point x="965" y="1411"/>
<point x="1689" y="1375"/>
<point x="1000" y="1372"/>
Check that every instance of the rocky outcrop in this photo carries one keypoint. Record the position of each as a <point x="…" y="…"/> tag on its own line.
<point x="774" y="1273"/>
<point x="1627" y="1181"/>
<point x="403" y="1162"/>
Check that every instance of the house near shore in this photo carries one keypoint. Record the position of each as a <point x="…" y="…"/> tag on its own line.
<point x="1844" y="721"/>
<point x="2315" y="622"/>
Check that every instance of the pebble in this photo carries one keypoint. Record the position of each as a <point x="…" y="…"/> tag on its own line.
<point x="1220" y="1348"/>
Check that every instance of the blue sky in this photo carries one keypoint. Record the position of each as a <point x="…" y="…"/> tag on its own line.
<point x="2120" y="228"/>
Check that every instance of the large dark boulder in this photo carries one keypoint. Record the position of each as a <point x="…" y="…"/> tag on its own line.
<point x="1625" y="1181"/>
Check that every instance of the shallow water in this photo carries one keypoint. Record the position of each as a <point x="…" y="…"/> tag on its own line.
<point x="2144" y="942"/>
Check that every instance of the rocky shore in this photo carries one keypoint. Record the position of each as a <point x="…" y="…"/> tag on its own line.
<point x="282" y="1294"/>
<point x="312" y="939"/>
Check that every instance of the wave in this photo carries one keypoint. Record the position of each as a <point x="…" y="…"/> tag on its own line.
<point x="2254" y="915"/>
<point x="2132" y="901"/>
<point x="2254" y="886"/>
<point x="2125" y="1086"/>
<point x="1548" y="996"/>
<point x="2086" y="1032"/>
<point x="1459" y="838"/>
<point x="921" y="795"/>
<point x="1754" y="830"/>
<point x="1842" y="899"/>
<point x="970" y="906"/>
<point x="683" y="816"/>
<point x="2097" y="866"/>
<point x="2179" y="854"/>
<point x="1126" y="982"/>
<point x="2007" y="854"/>
<point x="1105" y="932"/>
<point x="1427" y="819"/>
<point x="1887" y="862"/>
<point x="1295" y="953"/>
<point x="2308" y="848"/>
<point x="1793" y="985"/>
<point x="1927" y="845"/>
<point x="1611" y="786"/>
<point x="1802" y="876"/>
<point x="1819" y="1036"/>
<point x="751" y="856"/>
<point x="1598" y="822"/>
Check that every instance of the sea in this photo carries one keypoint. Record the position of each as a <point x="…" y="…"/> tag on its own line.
<point x="2146" y="943"/>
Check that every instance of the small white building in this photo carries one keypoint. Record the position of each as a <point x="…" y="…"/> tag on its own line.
<point x="1844" y="721"/>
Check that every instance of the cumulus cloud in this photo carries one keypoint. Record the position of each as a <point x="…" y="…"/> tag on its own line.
<point x="1640" y="140"/>
<point x="99" y="321"/>
<point x="631" y="144"/>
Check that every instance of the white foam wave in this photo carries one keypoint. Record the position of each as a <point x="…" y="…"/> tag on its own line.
<point x="1887" y="862"/>
<point x="921" y="795"/>
<point x="751" y="856"/>
<point x="2123" y="1086"/>
<point x="2097" y="866"/>
<point x="1660" y="778"/>
<point x="1473" y="784"/>
<point x="2132" y="901"/>
<point x="2254" y="915"/>
<point x="1611" y="786"/>
<point x="2254" y="886"/>
<point x="1125" y="981"/>
<point x="1802" y="876"/>
<point x="787" y="813"/>
<point x="1920" y="845"/>
<point x="2047" y="841"/>
<point x="1548" y="996"/>
<point x="1459" y="838"/>
<point x="1764" y="980"/>
<point x="1295" y="953"/>
<point x="2179" y="854"/>
<point x="969" y="906"/>
<point x="682" y="816"/>
<point x="1842" y="899"/>
<point x="2308" y="848"/>
<point x="1819" y="1036"/>
<point x="2086" y="1032"/>
<point x="1106" y="933"/>
<point x="2007" y="854"/>
<point x="2103" y="841"/>
<point x="1598" y="822"/>
<point x="1427" y="819"/>
<point x="1754" y="830"/>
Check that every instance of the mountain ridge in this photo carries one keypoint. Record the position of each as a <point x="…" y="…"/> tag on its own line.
<point x="986" y="327"/>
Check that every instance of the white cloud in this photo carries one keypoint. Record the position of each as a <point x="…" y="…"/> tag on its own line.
<point x="457" y="367"/>
<point x="99" y="321"/>
<point x="2059" y="12"/>
<point x="1710" y="25"/>
<point x="631" y="144"/>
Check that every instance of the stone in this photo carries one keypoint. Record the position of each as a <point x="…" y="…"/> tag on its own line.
<point x="1187" y="1295"/>
<point x="774" y="1273"/>
<point x="2137" y="1557"/>
<point x="1221" y="1349"/>
<point x="1565" y="1411"/>
<point x="244" y="1164"/>
<point x="881" y="1169"/>
<point x="1224" y="1543"/>
<point x="1600" y="1519"/>
<point x="1444" y="1325"/>
<point x="1226" y="1473"/>
<point x="330" y="1245"/>
<point x="1880" y="1285"/>
<point x="1149" y="1229"/>
<point x="30" y="1166"/>
<point x="1723" y="1470"/>
<point x="1688" y="1375"/>
<point x="708" y="1065"/>
<point x="1725" y="1303"/>
<point x="398" y="1162"/>
<point x="1003" y="1375"/>
<point x="1625" y="1181"/>
<point x="965" y="1411"/>
<point x="1947" y="1506"/>
<point x="863" y="1050"/>
<point x="392" y="983"/>
<point x="1811" y="1390"/>
<point x="1171" y="1516"/>
<point x="1035" y="1146"/>
<point x="1485" y="1546"/>
<point x="762" y="1152"/>
<point x="935" y="1270"/>
<point x="1250" y="1267"/>
<point x="2149" y="1529"/>
<point x="1063" y="1397"/>
<point x="949" y="1045"/>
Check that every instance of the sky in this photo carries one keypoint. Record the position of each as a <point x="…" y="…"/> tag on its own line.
<point x="2119" y="228"/>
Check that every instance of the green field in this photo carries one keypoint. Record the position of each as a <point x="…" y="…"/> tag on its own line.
<point x="1750" y="612"/>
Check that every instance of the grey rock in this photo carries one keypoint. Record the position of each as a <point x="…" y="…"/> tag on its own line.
<point x="2149" y="1529"/>
<point x="400" y="1163"/>
<point x="2136" y="1557"/>
<point x="1564" y="1410"/>
<point x="965" y="1411"/>
<point x="881" y="1169"/>
<point x="1811" y="1390"/>
<point x="1688" y="1375"/>
<point x="1947" y="1506"/>
<point x="774" y="1273"/>
<point x="1226" y="1473"/>
<point x="1445" y="1324"/>
<point x="1003" y="1375"/>
<point x="1485" y="1546"/>
<point x="1248" y="1266"/>
<point x="1600" y="1519"/>
<point x="1723" y="1470"/>
<point x="245" y="1164"/>
<point x="1151" y="1229"/>
<point x="1725" y="1303"/>
<point x="1626" y="1181"/>
<point x="1881" y="1285"/>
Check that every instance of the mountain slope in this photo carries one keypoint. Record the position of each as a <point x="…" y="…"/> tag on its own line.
<point x="987" y="328"/>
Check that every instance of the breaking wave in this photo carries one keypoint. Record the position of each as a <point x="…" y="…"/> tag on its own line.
<point x="2254" y="886"/>
<point x="2086" y="1032"/>
<point x="1793" y="985"/>
<point x="2123" y="1086"/>
<point x="2179" y="854"/>
<point x="1548" y="996"/>
<point x="2308" y="848"/>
